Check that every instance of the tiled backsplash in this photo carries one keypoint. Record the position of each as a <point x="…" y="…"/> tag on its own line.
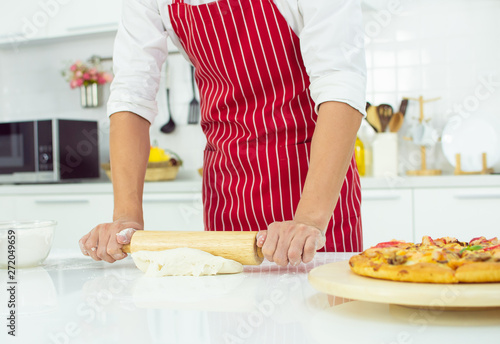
<point x="443" y="48"/>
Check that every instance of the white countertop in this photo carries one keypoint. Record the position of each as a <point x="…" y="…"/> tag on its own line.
<point x="445" y="181"/>
<point x="186" y="181"/>
<point x="190" y="181"/>
<point x="72" y="299"/>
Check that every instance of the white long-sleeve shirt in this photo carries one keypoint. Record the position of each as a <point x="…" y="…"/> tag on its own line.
<point x="330" y="33"/>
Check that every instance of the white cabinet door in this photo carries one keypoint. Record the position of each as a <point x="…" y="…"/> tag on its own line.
<point x="462" y="212"/>
<point x="173" y="211"/>
<point x="24" y="20"/>
<point x="76" y="215"/>
<point x="386" y="215"/>
<point x="7" y="208"/>
<point x="85" y="16"/>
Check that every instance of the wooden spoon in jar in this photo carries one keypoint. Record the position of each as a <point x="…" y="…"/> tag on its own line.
<point x="373" y="119"/>
<point x="398" y="118"/>
<point x="385" y="113"/>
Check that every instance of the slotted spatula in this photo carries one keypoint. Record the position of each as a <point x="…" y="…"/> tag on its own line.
<point x="194" y="105"/>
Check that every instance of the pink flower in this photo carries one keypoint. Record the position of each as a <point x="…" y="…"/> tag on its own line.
<point x="108" y="77"/>
<point x="83" y="74"/>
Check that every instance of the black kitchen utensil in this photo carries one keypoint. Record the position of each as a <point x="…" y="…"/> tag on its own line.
<point x="403" y="106"/>
<point x="194" y="105"/>
<point x="170" y="125"/>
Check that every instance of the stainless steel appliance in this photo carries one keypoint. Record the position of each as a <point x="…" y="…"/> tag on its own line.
<point x="51" y="150"/>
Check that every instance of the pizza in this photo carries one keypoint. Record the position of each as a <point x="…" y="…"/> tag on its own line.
<point x="443" y="260"/>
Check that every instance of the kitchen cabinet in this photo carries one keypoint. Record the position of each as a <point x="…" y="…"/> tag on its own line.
<point x="7" y="208"/>
<point x="31" y="20"/>
<point x="386" y="215"/>
<point x="461" y="212"/>
<point x="23" y="20"/>
<point x="89" y="16"/>
<point x="464" y="207"/>
<point x="76" y="214"/>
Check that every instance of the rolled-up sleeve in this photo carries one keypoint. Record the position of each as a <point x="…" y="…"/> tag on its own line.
<point x="139" y="52"/>
<point x="332" y="47"/>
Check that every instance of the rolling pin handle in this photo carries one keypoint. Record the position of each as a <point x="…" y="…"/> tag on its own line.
<point x="126" y="248"/>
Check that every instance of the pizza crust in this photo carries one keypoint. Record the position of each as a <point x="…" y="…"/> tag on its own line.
<point x="419" y="272"/>
<point x="479" y="272"/>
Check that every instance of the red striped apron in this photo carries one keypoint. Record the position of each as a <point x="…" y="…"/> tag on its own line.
<point x="258" y="117"/>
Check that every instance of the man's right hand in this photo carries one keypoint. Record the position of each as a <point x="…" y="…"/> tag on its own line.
<point x="105" y="241"/>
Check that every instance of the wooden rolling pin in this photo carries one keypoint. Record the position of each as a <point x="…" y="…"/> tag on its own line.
<point x="238" y="246"/>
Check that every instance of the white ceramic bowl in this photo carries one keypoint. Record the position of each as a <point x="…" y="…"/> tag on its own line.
<point x="33" y="240"/>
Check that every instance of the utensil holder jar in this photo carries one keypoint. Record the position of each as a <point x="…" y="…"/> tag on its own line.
<point x="385" y="155"/>
<point x="90" y="96"/>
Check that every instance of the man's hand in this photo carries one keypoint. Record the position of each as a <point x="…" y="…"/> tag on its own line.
<point x="105" y="241"/>
<point x="290" y="242"/>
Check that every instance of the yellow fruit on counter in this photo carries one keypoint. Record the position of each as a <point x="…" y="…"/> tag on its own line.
<point x="156" y="154"/>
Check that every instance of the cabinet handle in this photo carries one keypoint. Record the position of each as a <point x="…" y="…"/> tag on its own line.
<point x="61" y="201"/>
<point x="380" y="197"/>
<point x="90" y="27"/>
<point x="477" y="196"/>
<point x="12" y="35"/>
<point x="175" y="198"/>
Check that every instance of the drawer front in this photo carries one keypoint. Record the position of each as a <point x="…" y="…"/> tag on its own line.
<point x="463" y="212"/>
<point x="75" y="215"/>
<point x="7" y="208"/>
<point x="173" y="211"/>
<point x="386" y="215"/>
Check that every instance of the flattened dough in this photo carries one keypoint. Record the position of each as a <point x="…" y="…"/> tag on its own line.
<point x="183" y="262"/>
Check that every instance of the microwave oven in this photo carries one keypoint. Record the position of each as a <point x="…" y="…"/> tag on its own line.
<point x="51" y="150"/>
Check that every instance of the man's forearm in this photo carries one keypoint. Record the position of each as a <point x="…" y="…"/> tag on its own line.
<point x="129" y="153"/>
<point x="331" y="153"/>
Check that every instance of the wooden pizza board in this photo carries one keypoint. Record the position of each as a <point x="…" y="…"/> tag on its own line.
<point x="337" y="279"/>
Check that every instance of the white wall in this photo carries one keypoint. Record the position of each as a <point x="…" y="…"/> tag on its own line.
<point x="31" y="86"/>
<point x="435" y="49"/>
<point x="432" y="48"/>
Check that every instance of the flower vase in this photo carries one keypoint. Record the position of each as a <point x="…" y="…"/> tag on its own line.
<point x="89" y="96"/>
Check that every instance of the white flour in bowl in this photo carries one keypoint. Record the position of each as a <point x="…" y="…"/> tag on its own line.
<point x="32" y="244"/>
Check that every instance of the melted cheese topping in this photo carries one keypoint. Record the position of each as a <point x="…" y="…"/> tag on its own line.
<point x="447" y="251"/>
